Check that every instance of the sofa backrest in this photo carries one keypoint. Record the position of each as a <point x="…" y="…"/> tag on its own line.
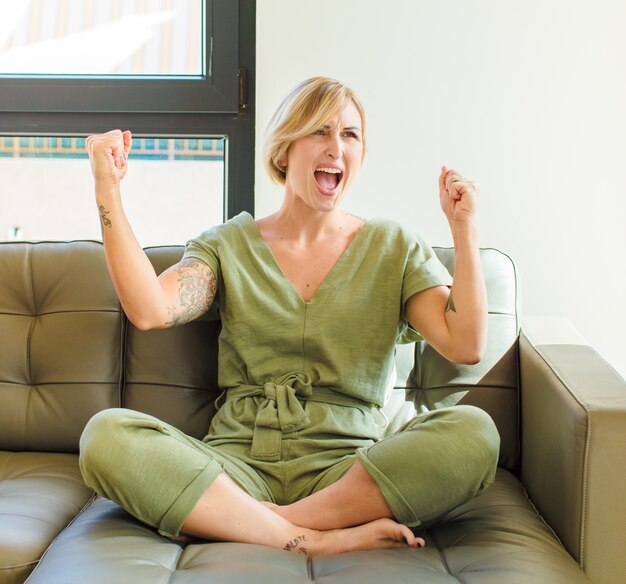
<point x="431" y="381"/>
<point x="66" y="352"/>
<point x="60" y="343"/>
<point x="172" y="373"/>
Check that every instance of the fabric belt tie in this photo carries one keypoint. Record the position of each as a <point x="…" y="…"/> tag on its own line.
<point x="281" y="412"/>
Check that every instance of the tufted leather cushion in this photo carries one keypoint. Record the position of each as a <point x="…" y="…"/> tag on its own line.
<point x="496" y="538"/>
<point x="431" y="381"/>
<point x="40" y="493"/>
<point x="60" y="345"/>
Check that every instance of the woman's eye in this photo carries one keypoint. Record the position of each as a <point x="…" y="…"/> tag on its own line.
<point x="350" y="134"/>
<point x="320" y="132"/>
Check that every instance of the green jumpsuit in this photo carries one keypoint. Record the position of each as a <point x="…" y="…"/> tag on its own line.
<point x="303" y="383"/>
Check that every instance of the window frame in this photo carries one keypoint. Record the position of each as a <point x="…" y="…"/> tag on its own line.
<point x="214" y="92"/>
<point x="236" y="123"/>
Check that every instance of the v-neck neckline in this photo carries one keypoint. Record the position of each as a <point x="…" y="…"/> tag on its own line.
<point x="341" y="259"/>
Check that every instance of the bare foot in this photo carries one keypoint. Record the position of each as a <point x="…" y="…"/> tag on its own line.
<point x="381" y="533"/>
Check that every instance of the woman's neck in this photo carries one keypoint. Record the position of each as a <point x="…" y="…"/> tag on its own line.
<point x="297" y="222"/>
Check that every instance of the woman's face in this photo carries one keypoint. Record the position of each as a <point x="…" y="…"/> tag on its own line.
<point x="322" y="165"/>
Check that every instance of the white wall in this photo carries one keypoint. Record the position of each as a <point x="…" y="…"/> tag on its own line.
<point x="528" y="98"/>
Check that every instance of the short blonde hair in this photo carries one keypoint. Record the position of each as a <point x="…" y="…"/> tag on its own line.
<point x="309" y="105"/>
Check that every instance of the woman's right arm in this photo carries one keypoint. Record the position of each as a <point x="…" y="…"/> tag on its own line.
<point x="181" y="293"/>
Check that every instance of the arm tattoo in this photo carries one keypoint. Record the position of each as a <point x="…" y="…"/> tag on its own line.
<point x="450" y="304"/>
<point x="197" y="288"/>
<point x="106" y="222"/>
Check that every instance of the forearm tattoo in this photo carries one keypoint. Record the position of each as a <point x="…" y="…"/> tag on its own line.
<point x="296" y="544"/>
<point x="197" y="287"/>
<point x="450" y="304"/>
<point x="106" y="222"/>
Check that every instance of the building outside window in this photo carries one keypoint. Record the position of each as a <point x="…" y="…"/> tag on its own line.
<point x="174" y="189"/>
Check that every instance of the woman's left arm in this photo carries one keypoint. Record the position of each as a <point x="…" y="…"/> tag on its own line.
<point x="454" y="321"/>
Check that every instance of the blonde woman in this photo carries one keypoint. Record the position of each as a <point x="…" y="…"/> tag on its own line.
<point x="312" y="302"/>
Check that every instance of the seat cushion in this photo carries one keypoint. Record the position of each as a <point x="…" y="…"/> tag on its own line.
<point x="40" y="493"/>
<point x="496" y="538"/>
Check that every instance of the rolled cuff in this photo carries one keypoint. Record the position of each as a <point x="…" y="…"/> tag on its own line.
<point x="402" y="511"/>
<point x="172" y="522"/>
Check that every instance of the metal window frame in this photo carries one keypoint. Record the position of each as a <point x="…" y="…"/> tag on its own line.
<point x="183" y="116"/>
<point x="214" y="92"/>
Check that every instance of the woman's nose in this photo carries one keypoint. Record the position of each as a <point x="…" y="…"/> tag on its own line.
<point x="334" y="146"/>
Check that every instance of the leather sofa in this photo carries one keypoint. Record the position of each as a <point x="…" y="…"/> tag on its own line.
<point x="556" y="513"/>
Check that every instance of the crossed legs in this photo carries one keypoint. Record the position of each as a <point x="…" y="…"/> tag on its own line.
<point x="225" y="512"/>
<point x="434" y="463"/>
<point x="158" y="474"/>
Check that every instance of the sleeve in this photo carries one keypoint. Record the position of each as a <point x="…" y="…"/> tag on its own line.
<point x="205" y="248"/>
<point x="422" y="270"/>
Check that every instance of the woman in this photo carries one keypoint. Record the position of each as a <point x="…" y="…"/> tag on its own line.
<point x="312" y="302"/>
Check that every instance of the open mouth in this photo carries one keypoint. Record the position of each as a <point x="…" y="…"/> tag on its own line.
<point x="328" y="178"/>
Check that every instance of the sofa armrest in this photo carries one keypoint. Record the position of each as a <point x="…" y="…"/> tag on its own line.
<point x="573" y="407"/>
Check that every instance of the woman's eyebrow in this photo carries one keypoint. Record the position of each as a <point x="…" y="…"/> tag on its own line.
<point x="346" y="128"/>
<point x="328" y="127"/>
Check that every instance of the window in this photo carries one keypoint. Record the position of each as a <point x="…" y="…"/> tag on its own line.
<point x="183" y="84"/>
<point x="109" y="55"/>
<point x="172" y="191"/>
<point x="160" y="38"/>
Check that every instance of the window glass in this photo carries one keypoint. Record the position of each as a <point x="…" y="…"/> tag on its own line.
<point x="173" y="190"/>
<point x="140" y="38"/>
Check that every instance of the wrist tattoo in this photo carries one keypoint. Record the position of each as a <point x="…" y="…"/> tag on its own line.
<point x="106" y="222"/>
<point x="450" y="304"/>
